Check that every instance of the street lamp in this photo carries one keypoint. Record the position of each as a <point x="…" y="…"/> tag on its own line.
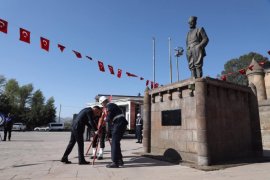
<point x="178" y="52"/>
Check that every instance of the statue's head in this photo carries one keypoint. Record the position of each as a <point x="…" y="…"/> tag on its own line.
<point x="192" y="21"/>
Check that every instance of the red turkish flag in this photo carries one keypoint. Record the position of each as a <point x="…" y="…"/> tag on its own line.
<point x="119" y="73"/>
<point x="156" y="85"/>
<point x="250" y="67"/>
<point x="224" y="78"/>
<point x="101" y="66"/>
<point x="147" y="82"/>
<point x="61" y="47"/>
<point x="77" y="54"/>
<point x="111" y="69"/>
<point x="24" y="35"/>
<point x="3" y="26"/>
<point x="45" y="43"/>
<point x="88" y="57"/>
<point x="131" y="75"/>
<point x="152" y="84"/>
<point x="242" y="71"/>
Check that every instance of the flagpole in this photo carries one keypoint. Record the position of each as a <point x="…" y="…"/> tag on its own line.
<point x="154" y="61"/>
<point x="170" y="59"/>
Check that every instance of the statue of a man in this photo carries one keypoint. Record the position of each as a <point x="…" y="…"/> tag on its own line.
<point x="196" y="42"/>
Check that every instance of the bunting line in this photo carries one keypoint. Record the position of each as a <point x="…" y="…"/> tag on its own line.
<point x="25" y="36"/>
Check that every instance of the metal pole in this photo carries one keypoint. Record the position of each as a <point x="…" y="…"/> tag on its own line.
<point x="177" y="68"/>
<point x="170" y="59"/>
<point x="59" y="113"/>
<point x="154" y="61"/>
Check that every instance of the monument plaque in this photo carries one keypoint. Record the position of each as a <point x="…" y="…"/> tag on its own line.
<point x="171" y="118"/>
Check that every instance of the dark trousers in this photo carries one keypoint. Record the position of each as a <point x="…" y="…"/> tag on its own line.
<point x="75" y="137"/>
<point x="139" y="133"/>
<point x="101" y="137"/>
<point x="118" y="129"/>
<point x="7" y="131"/>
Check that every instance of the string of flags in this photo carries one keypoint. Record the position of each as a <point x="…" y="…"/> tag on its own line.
<point x="45" y="44"/>
<point x="241" y="71"/>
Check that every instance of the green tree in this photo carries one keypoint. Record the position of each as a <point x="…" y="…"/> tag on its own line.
<point x="12" y="91"/>
<point x="24" y="97"/>
<point x="49" y="111"/>
<point x="2" y="83"/>
<point x="35" y="117"/>
<point x="232" y="67"/>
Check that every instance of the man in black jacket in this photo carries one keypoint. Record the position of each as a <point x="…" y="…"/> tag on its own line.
<point x="118" y="122"/>
<point x="8" y="127"/>
<point x="85" y="117"/>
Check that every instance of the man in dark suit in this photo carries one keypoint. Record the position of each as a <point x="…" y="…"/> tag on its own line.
<point x="118" y="122"/>
<point x="85" y="117"/>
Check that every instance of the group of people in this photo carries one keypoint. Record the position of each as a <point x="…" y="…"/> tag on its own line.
<point x="111" y="114"/>
<point x="7" y="123"/>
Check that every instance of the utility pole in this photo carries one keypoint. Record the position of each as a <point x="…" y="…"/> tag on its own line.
<point x="59" y="114"/>
<point x="178" y="52"/>
<point x="170" y="59"/>
<point x="154" y="61"/>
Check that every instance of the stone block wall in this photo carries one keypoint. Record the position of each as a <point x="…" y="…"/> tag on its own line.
<point x="219" y="121"/>
<point x="264" y="108"/>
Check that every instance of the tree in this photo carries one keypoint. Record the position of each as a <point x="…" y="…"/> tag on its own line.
<point x="232" y="67"/>
<point x="11" y="91"/>
<point x="35" y="117"/>
<point x="49" y="111"/>
<point x="2" y="83"/>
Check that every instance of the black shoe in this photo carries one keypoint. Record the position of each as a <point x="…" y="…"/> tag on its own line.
<point x="4" y="140"/>
<point x="84" y="163"/>
<point x="66" y="161"/>
<point x="137" y="142"/>
<point x="121" y="162"/>
<point x="100" y="158"/>
<point x="112" y="165"/>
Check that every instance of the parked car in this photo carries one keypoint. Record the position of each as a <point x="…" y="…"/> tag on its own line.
<point x="19" y="127"/>
<point x="41" y="128"/>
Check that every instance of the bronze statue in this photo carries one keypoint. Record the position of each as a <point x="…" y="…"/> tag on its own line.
<point x="196" y="42"/>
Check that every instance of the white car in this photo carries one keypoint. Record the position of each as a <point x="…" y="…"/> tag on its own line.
<point x="41" y="129"/>
<point x="19" y="127"/>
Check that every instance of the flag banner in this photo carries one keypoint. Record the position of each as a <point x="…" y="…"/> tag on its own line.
<point x="224" y="78"/>
<point x="45" y="43"/>
<point x="101" y="66"/>
<point x="242" y="71"/>
<point x="141" y="78"/>
<point x="61" y="47"/>
<point x="152" y="84"/>
<point x="78" y="55"/>
<point x="131" y="75"/>
<point x="3" y="26"/>
<point x="147" y="82"/>
<point x="24" y="35"/>
<point x="250" y="67"/>
<point x="88" y="57"/>
<point x="111" y="69"/>
<point x="119" y="73"/>
<point x="156" y="85"/>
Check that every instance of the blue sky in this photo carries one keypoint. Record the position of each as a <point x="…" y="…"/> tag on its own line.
<point x="119" y="33"/>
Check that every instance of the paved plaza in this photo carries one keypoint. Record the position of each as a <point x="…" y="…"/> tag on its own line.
<point x="36" y="155"/>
